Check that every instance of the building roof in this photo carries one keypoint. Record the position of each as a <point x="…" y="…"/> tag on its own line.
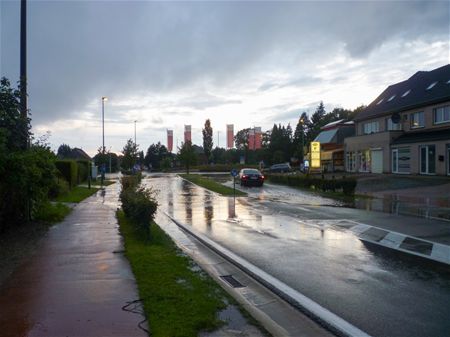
<point x="326" y="136"/>
<point x="422" y="137"/>
<point x="79" y="154"/>
<point x="421" y="89"/>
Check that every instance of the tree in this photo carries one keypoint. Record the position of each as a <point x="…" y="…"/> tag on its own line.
<point x="130" y="155"/>
<point x="155" y="154"/>
<point x="299" y="138"/>
<point x="26" y="173"/>
<point x="187" y="155"/>
<point x="207" y="139"/>
<point x="106" y="159"/>
<point x="241" y="141"/>
<point x="64" y="151"/>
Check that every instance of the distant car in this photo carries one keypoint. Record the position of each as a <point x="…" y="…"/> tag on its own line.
<point x="280" y="168"/>
<point x="251" y="177"/>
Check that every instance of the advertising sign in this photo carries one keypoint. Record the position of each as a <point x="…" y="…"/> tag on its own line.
<point x="315" y="154"/>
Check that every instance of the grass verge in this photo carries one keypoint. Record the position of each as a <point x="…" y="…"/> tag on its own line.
<point x="211" y="185"/>
<point x="77" y="194"/>
<point x="178" y="301"/>
<point x="53" y="212"/>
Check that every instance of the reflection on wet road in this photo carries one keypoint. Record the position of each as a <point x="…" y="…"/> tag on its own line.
<point x="380" y="294"/>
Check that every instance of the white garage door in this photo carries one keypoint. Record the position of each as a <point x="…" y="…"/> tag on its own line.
<point x="377" y="161"/>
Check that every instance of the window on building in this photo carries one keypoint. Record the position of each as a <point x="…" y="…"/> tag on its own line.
<point x="431" y="85"/>
<point x="380" y="101"/>
<point x="371" y="127"/>
<point x="441" y="114"/>
<point x="391" y="126"/>
<point x="406" y="93"/>
<point x="417" y="120"/>
<point x="364" y="161"/>
<point x="351" y="162"/>
<point x="391" y="98"/>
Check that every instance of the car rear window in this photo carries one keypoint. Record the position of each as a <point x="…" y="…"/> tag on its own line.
<point x="251" y="172"/>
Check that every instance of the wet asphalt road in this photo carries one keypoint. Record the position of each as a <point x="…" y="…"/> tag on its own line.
<point x="294" y="237"/>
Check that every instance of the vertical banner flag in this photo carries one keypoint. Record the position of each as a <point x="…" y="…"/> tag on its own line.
<point x="315" y="154"/>
<point x="230" y="136"/>
<point x="258" y="138"/>
<point x="251" y="139"/>
<point x="187" y="133"/>
<point x="170" y="140"/>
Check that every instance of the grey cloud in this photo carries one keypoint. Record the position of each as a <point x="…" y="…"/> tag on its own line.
<point x="80" y="51"/>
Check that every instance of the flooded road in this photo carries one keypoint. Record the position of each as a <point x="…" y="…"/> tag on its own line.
<point x="305" y="244"/>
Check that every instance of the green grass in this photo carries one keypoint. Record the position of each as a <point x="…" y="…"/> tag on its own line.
<point x="52" y="212"/>
<point x="77" y="194"/>
<point x="212" y="185"/>
<point x="178" y="301"/>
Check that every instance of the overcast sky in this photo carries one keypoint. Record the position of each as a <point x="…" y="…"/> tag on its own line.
<point x="166" y="64"/>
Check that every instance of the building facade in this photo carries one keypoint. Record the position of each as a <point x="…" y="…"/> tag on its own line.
<point x="406" y="129"/>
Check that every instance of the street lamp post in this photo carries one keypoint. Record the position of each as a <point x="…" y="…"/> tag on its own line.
<point x="301" y="121"/>
<point x="135" y="132"/>
<point x="104" y="99"/>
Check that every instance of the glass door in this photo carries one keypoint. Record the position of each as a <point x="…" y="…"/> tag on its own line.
<point x="395" y="161"/>
<point x="428" y="159"/>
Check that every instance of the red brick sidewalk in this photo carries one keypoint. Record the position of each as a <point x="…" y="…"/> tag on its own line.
<point x="78" y="281"/>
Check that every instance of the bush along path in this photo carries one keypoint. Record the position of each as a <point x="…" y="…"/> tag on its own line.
<point x="178" y="298"/>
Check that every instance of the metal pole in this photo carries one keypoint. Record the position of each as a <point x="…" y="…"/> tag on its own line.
<point x="103" y="125"/>
<point x="218" y="132"/>
<point x="23" y="64"/>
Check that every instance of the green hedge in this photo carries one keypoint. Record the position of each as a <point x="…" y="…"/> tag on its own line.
<point x="345" y="185"/>
<point x="83" y="171"/>
<point x="69" y="170"/>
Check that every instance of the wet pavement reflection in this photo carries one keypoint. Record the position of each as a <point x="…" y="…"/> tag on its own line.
<point x="377" y="292"/>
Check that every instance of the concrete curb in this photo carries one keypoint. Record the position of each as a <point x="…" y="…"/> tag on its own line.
<point x="429" y="250"/>
<point x="312" y="309"/>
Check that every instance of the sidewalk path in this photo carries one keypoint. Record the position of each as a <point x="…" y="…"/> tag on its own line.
<point x="77" y="282"/>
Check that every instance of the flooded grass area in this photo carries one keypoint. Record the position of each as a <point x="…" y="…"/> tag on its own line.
<point x="212" y="184"/>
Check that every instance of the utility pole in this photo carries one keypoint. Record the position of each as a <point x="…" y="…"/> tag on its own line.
<point x="23" y="65"/>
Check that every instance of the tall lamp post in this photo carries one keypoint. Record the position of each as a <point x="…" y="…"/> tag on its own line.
<point x="135" y="132"/>
<point x="104" y="99"/>
<point x="301" y="121"/>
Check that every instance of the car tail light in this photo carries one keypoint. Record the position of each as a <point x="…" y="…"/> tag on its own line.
<point x="244" y="177"/>
<point x="262" y="177"/>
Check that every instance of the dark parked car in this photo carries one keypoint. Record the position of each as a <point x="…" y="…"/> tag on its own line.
<point x="251" y="177"/>
<point x="280" y="168"/>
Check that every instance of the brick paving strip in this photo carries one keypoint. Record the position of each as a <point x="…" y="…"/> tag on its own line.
<point x="77" y="282"/>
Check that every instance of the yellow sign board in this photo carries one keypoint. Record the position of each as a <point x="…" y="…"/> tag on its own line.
<point x="315" y="154"/>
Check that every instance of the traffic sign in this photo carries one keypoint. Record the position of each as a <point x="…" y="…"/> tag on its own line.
<point x="234" y="173"/>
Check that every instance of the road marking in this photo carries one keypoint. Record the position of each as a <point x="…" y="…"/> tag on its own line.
<point x="322" y="315"/>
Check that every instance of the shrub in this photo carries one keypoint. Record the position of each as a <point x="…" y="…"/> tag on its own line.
<point x="83" y="171"/>
<point x="59" y="187"/>
<point x="69" y="171"/>
<point x="138" y="203"/>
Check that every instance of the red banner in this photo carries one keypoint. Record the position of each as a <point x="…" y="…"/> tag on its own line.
<point x="230" y="136"/>
<point x="187" y="134"/>
<point x="258" y="138"/>
<point x="169" y="140"/>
